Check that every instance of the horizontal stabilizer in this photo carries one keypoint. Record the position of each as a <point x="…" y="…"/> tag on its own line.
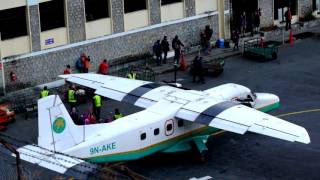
<point x="60" y="163"/>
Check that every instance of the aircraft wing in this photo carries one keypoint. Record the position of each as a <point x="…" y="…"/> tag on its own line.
<point x="237" y="118"/>
<point x="136" y="92"/>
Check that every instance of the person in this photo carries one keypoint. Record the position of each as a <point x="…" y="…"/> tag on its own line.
<point x="96" y="104"/>
<point x="75" y="116"/>
<point x="86" y="64"/>
<point x="67" y="70"/>
<point x="256" y="21"/>
<point x="44" y="92"/>
<point x="132" y="75"/>
<point x="72" y="99"/>
<point x="103" y="67"/>
<point x="165" y="48"/>
<point x="208" y="34"/>
<point x="79" y="63"/>
<point x="198" y="70"/>
<point x="117" y="114"/>
<point x="157" y="52"/>
<point x="89" y="118"/>
<point x="288" y="18"/>
<point x="235" y="39"/>
<point x="202" y="40"/>
<point x="176" y="45"/>
<point x="243" y="23"/>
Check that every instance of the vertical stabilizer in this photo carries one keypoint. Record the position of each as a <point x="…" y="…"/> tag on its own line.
<point x="57" y="130"/>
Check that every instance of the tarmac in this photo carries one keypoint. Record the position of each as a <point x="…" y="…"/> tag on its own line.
<point x="294" y="77"/>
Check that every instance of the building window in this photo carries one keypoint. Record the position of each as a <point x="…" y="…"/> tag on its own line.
<point x="134" y="5"/>
<point x="13" y="23"/>
<point x="180" y="123"/>
<point x="52" y="15"/>
<point x="96" y="9"/>
<point x="143" y="136"/>
<point x="165" y="2"/>
<point x="156" y="132"/>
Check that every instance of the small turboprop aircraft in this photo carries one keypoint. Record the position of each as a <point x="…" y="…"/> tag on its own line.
<point x="173" y="120"/>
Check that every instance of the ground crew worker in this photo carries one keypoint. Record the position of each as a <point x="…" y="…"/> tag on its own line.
<point x="44" y="92"/>
<point x="72" y="100"/>
<point x="96" y="101"/>
<point x="132" y="75"/>
<point x="117" y="114"/>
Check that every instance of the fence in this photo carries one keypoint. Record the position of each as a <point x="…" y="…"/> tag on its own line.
<point x="11" y="167"/>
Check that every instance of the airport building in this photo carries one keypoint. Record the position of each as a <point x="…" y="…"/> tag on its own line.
<point x="42" y="35"/>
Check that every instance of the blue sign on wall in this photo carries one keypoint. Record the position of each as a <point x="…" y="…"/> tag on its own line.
<point x="49" y="41"/>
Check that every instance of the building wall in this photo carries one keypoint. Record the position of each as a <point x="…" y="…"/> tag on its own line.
<point x="203" y="6"/>
<point x="7" y="4"/>
<point x="305" y="7"/>
<point x="42" y="68"/>
<point x="155" y="14"/>
<point x="76" y="20"/>
<point x="137" y="19"/>
<point x="266" y="18"/>
<point x="97" y="28"/>
<point x="172" y="12"/>
<point x="34" y="27"/>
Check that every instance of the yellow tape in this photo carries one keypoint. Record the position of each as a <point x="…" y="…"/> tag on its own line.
<point x="299" y="112"/>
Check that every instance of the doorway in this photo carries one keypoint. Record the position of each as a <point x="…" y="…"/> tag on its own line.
<point x="240" y="6"/>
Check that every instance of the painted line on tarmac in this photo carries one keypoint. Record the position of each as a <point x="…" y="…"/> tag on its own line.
<point x="299" y="112"/>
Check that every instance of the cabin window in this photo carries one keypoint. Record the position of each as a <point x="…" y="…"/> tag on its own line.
<point x="143" y="136"/>
<point x="134" y="5"/>
<point x="180" y="123"/>
<point x="13" y="23"/>
<point x="52" y="15"/>
<point x="96" y="9"/>
<point x="165" y="2"/>
<point x="156" y="131"/>
<point x="169" y="127"/>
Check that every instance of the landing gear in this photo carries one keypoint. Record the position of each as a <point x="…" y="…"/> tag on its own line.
<point x="200" y="149"/>
<point x="203" y="156"/>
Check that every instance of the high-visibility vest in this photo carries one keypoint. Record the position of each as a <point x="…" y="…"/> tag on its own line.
<point x="118" y="116"/>
<point x="44" y="93"/>
<point x="132" y="75"/>
<point x="97" y="100"/>
<point x="71" y="96"/>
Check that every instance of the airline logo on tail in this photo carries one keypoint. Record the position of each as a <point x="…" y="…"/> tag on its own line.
<point x="59" y="125"/>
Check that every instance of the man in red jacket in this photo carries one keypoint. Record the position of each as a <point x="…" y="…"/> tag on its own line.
<point x="103" y="67"/>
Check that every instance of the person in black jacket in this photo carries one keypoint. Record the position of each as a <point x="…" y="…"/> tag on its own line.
<point x="165" y="48"/>
<point x="176" y="45"/>
<point x="157" y="52"/>
<point x="197" y="70"/>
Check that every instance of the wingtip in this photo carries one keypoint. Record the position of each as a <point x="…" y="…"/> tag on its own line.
<point x="304" y="137"/>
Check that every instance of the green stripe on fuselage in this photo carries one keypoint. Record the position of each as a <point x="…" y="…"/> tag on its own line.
<point x="137" y="154"/>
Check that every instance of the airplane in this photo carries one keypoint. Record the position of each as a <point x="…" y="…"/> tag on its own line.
<point x="172" y="120"/>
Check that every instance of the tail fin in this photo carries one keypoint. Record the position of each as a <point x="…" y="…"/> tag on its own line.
<point x="57" y="130"/>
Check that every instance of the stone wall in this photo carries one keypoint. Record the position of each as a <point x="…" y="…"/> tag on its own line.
<point x="34" y="22"/>
<point x="76" y="21"/>
<point x="117" y="15"/>
<point x="305" y="7"/>
<point x="45" y="67"/>
<point x="190" y="6"/>
<point x="155" y="12"/>
<point x="266" y="18"/>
